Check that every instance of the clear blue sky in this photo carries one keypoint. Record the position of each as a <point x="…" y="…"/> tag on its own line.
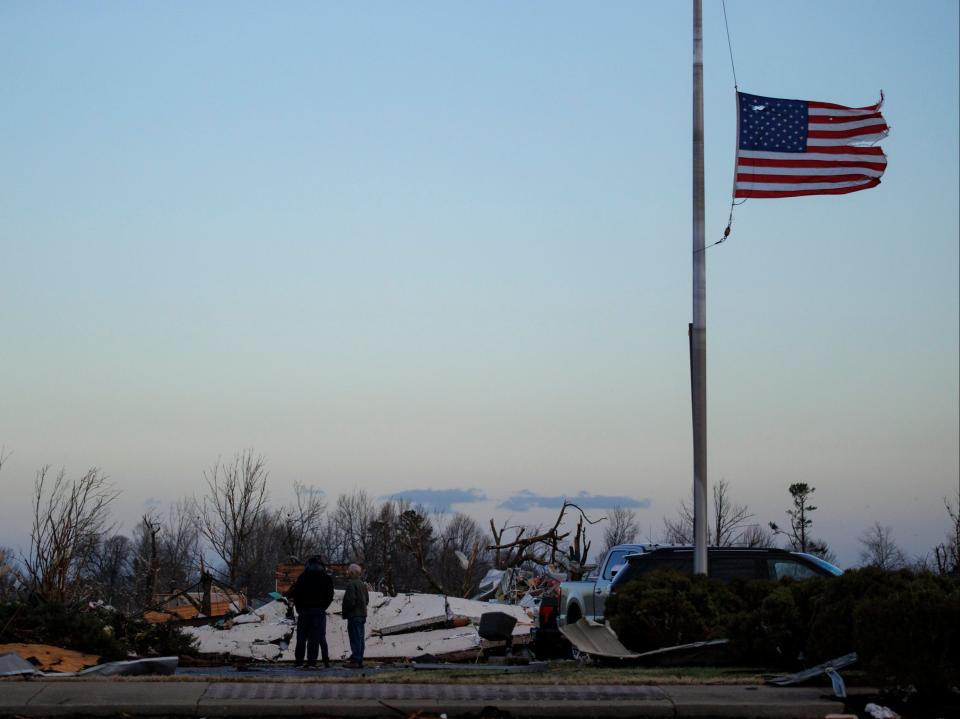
<point x="439" y="245"/>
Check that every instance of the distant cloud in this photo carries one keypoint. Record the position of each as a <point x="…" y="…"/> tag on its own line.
<point x="439" y="500"/>
<point x="526" y="500"/>
<point x="152" y="504"/>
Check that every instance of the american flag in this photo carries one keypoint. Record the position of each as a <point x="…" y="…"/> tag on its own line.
<point x="788" y="148"/>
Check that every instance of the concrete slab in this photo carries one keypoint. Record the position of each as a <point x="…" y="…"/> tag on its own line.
<point x="439" y="642"/>
<point x="259" y="640"/>
<point x="406" y="612"/>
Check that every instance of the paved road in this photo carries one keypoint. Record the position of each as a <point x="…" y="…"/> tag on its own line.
<point x="43" y="698"/>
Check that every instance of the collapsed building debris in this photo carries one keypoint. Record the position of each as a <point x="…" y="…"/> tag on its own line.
<point x="400" y="627"/>
<point x="15" y="664"/>
<point x="205" y="599"/>
<point x="46" y="657"/>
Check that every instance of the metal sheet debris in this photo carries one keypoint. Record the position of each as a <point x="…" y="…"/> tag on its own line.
<point x="786" y="680"/>
<point x="599" y="640"/>
<point x="12" y="665"/>
<point x="156" y="666"/>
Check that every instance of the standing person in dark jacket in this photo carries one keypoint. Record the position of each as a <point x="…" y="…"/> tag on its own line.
<point x="312" y="594"/>
<point x="355" y="599"/>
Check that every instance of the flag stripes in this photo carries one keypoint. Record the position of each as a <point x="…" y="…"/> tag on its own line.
<point x="790" y="148"/>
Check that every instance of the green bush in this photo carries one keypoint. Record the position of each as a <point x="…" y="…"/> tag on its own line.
<point x="108" y="634"/>
<point x="668" y="608"/>
<point x="905" y="627"/>
<point x="910" y="634"/>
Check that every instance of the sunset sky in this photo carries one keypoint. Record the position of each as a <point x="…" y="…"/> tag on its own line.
<point x="442" y="249"/>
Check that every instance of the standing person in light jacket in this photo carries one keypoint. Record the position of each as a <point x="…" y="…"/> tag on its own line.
<point x="355" y="599"/>
<point x="312" y="594"/>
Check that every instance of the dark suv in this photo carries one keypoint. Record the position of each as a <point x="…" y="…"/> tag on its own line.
<point x="725" y="563"/>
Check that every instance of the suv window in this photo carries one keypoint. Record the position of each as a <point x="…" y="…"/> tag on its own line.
<point x="638" y="566"/>
<point x="785" y="567"/>
<point x="615" y="561"/>
<point x="727" y="567"/>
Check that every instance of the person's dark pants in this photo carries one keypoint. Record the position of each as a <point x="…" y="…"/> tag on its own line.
<point x="355" y="632"/>
<point x="312" y="636"/>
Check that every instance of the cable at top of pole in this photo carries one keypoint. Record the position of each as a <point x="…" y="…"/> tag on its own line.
<point x="736" y="87"/>
<point x="726" y="25"/>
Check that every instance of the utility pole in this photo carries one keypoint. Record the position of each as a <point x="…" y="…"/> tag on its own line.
<point x="698" y="328"/>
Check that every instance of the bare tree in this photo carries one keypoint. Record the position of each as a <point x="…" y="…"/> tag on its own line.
<point x="757" y="536"/>
<point x="351" y="519"/>
<point x="623" y="528"/>
<point x="68" y="520"/>
<point x="8" y="575"/>
<point x="237" y="493"/>
<point x="146" y="561"/>
<point x="879" y="549"/>
<point x="543" y="548"/>
<point x="728" y="521"/>
<point x="110" y="572"/>
<point x="946" y="555"/>
<point x="300" y="525"/>
<point x="166" y="552"/>
<point x="415" y="535"/>
<point x="464" y="558"/>
<point x="180" y="546"/>
<point x="265" y="549"/>
<point x="381" y="554"/>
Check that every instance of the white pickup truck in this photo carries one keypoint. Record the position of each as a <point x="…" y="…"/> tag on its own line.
<point x="588" y="597"/>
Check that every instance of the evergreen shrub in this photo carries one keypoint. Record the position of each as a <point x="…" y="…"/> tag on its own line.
<point x="109" y="634"/>
<point x="904" y="626"/>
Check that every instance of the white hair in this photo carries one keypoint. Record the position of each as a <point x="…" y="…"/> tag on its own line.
<point x="355" y="570"/>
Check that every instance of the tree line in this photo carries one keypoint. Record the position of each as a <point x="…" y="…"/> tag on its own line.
<point x="235" y="534"/>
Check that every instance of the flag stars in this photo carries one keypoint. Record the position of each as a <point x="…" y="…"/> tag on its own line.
<point x="773" y="125"/>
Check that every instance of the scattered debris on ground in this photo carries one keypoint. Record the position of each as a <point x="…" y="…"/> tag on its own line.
<point x="14" y="664"/>
<point x="600" y="641"/>
<point x="829" y="668"/>
<point x="47" y="658"/>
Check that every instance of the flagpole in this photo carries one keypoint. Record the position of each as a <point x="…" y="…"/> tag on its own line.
<point x="698" y="328"/>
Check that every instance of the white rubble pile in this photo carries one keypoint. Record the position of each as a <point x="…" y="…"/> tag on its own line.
<point x="400" y="627"/>
<point x="405" y="612"/>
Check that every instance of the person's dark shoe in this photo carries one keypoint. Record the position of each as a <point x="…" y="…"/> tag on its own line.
<point x="326" y="664"/>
